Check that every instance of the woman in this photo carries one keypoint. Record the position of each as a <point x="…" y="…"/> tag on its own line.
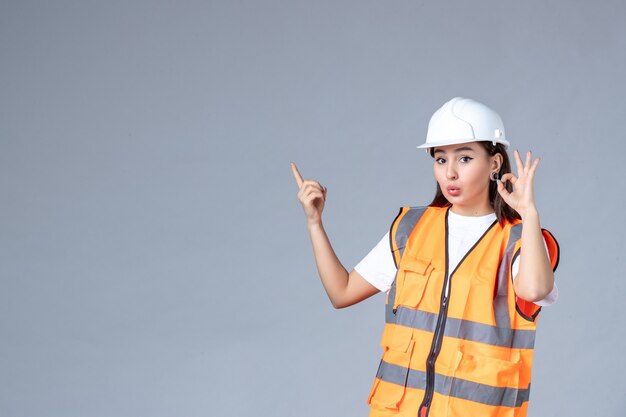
<point x="463" y="297"/>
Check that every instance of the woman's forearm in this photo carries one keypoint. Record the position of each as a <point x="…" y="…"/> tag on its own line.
<point x="332" y="273"/>
<point x="535" y="277"/>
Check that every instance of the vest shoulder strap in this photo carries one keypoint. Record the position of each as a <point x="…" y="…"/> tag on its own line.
<point x="401" y="228"/>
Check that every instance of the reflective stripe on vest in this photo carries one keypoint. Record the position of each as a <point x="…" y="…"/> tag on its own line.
<point x="478" y="340"/>
<point x="468" y="390"/>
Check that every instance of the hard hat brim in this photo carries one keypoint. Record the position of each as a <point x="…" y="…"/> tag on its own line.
<point x="427" y="145"/>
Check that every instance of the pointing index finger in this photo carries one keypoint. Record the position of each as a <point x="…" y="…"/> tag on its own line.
<point x="296" y="174"/>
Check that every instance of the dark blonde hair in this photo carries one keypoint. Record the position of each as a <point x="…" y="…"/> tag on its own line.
<point x="500" y="207"/>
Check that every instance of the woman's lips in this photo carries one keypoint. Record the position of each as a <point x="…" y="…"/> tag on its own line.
<point x="454" y="190"/>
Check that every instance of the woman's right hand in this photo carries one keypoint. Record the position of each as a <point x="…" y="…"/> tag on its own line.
<point x="312" y="196"/>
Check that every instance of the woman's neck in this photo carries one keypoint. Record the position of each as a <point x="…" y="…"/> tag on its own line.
<point x="472" y="211"/>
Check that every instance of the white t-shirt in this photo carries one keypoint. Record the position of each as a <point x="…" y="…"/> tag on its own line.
<point x="379" y="269"/>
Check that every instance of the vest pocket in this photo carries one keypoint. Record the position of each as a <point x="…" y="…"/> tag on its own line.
<point x="482" y="385"/>
<point x="396" y="338"/>
<point x="413" y="274"/>
<point x="389" y="387"/>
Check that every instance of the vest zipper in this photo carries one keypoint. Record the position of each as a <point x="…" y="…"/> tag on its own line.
<point x="436" y="346"/>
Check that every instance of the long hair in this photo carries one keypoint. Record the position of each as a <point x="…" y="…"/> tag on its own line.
<point x="500" y="207"/>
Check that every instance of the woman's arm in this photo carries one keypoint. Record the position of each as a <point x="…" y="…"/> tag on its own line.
<point x="343" y="289"/>
<point x="535" y="278"/>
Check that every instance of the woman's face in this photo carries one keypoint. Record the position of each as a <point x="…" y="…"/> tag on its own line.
<point x="463" y="173"/>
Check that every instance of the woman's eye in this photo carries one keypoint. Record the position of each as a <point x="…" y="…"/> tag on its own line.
<point x="466" y="159"/>
<point x="440" y="160"/>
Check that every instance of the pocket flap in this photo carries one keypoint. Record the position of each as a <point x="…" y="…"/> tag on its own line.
<point x="418" y="265"/>
<point x="487" y="370"/>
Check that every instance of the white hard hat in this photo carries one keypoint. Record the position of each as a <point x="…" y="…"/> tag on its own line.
<point x="463" y="120"/>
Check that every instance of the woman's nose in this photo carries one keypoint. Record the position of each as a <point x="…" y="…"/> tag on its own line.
<point x="451" y="172"/>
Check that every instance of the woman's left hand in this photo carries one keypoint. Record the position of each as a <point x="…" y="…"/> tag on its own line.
<point x="522" y="198"/>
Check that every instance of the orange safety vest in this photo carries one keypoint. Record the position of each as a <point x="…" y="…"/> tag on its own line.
<point x="468" y="352"/>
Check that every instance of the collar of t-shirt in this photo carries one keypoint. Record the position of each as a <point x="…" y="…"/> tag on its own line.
<point x="463" y="233"/>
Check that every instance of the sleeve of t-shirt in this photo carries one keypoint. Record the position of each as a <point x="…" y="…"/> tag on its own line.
<point x="550" y="298"/>
<point x="378" y="267"/>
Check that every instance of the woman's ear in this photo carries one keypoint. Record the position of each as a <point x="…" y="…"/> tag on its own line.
<point x="496" y="162"/>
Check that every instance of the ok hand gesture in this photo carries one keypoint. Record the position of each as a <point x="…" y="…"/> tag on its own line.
<point x="522" y="198"/>
<point x="312" y="196"/>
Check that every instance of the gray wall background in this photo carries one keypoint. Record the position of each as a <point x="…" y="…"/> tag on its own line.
<point x="154" y="258"/>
